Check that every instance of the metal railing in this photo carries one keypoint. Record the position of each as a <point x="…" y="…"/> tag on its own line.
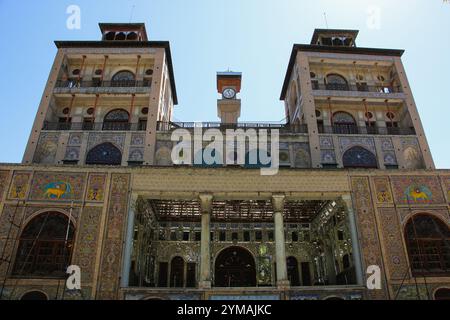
<point x="356" y="87"/>
<point x="284" y="128"/>
<point x="372" y="130"/>
<point x="91" y="126"/>
<point x="73" y="84"/>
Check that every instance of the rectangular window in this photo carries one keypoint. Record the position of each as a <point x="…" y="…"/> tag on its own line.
<point x="258" y="235"/>
<point x="198" y="236"/>
<point x="163" y="272"/>
<point x="222" y="236"/>
<point x="234" y="236"/>
<point x="247" y="236"/>
<point x="173" y="236"/>
<point x="191" y="280"/>
<point x="186" y="236"/>
<point x="306" y="274"/>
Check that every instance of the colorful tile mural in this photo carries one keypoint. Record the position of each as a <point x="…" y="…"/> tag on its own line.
<point x="20" y="185"/>
<point x="3" y="181"/>
<point x="417" y="190"/>
<point x="383" y="190"/>
<point x="57" y="186"/>
<point x="112" y="250"/>
<point x="96" y="187"/>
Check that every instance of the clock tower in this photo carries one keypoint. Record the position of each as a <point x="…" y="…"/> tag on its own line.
<point x="229" y="106"/>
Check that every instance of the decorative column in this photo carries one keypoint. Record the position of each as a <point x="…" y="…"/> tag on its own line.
<point x="280" y="243"/>
<point x="356" y="252"/>
<point x="125" y="282"/>
<point x="205" y="251"/>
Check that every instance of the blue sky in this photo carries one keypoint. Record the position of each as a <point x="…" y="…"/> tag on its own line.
<point x="251" y="36"/>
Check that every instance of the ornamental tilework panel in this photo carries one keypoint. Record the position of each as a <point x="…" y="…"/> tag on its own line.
<point x="383" y="190"/>
<point x="417" y="190"/>
<point x="349" y="142"/>
<point x="406" y="213"/>
<point x="386" y="144"/>
<point x="447" y="187"/>
<point x="393" y="244"/>
<point x="390" y="158"/>
<point x="3" y="182"/>
<point x="46" y="148"/>
<point x="112" y="251"/>
<point x="328" y="156"/>
<point x="136" y="154"/>
<point x="72" y="153"/>
<point x="75" y="139"/>
<point x="411" y="153"/>
<point x="369" y="241"/>
<point x="137" y="139"/>
<point x="87" y="240"/>
<point x="57" y="186"/>
<point x="96" y="187"/>
<point x="302" y="155"/>
<point x="326" y="143"/>
<point x="19" y="186"/>
<point x="118" y="139"/>
<point x="10" y="214"/>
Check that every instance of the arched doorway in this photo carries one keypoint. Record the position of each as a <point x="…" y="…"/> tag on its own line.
<point x="34" y="296"/>
<point x="43" y="250"/>
<point x="177" y="272"/>
<point x="116" y="120"/>
<point x="235" y="267"/>
<point x="359" y="157"/>
<point x="292" y="269"/>
<point x="104" y="154"/>
<point x="428" y="242"/>
<point x="442" y="294"/>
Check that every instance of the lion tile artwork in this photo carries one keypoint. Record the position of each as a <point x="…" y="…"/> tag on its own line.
<point x="98" y="188"/>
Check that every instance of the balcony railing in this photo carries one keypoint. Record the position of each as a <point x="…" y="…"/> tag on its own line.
<point x="284" y="128"/>
<point x="373" y="130"/>
<point x="73" y="84"/>
<point x="97" y="126"/>
<point x="357" y="88"/>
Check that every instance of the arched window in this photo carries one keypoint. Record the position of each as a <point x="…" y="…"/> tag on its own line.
<point x="177" y="272"/>
<point x="123" y="79"/>
<point x="235" y="267"/>
<point x="428" y="242"/>
<point x="442" y="294"/>
<point x="45" y="247"/>
<point x="359" y="157"/>
<point x="292" y="269"/>
<point x="116" y="120"/>
<point x="336" y="82"/>
<point x="344" y="123"/>
<point x="34" y="295"/>
<point x="104" y="154"/>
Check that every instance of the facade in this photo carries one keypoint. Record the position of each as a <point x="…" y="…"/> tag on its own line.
<point x="98" y="189"/>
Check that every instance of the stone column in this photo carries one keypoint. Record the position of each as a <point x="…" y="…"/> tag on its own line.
<point x="205" y="251"/>
<point x="356" y="252"/>
<point x="280" y="243"/>
<point x="125" y="282"/>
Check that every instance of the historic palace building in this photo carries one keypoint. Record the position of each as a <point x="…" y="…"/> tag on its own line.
<point x="357" y="191"/>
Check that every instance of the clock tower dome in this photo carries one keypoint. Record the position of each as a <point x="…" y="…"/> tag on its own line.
<point x="229" y="106"/>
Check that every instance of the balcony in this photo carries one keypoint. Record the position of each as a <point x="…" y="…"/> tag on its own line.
<point x="357" y="87"/>
<point x="284" y="128"/>
<point x="99" y="86"/>
<point x="353" y="129"/>
<point x="97" y="126"/>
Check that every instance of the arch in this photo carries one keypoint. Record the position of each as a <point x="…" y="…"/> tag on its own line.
<point x="34" y="295"/>
<point x="293" y="273"/>
<point x="120" y="36"/>
<point x="442" y="294"/>
<point x="335" y="298"/>
<point x="116" y="120"/>
<point x="110" y="35"/>
<point x="177" y="272"/>
<point x="132" y="36"/>
<point x="235" y="267"/>
<point x="427" y="240"/>
<point x="335" y="81"/>
<point x="344" y="123"/>
<point x="359" y="157"/>
<point x="123" y="78"/>
<point x="104" y="154"/>
<point x="45" y="246"/>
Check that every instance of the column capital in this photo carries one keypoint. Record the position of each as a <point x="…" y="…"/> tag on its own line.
<point x="278" y="202"/>
<point x="205" y="202"/>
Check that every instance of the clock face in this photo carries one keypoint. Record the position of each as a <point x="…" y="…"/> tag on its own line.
<point x="229" y="93"/>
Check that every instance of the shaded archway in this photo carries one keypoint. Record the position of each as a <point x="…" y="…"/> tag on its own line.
<point x="34" y="296"/>
<point x="177" y="272"/>
<point x="45" y="247"/>
<point x="336" y="82"/>
<point x="292" y="269"/>
<point x="442" y="294"/>
<point x="123" y="78"/>
<point x="344" y="123"/>
<point x="104" y="154"/>
<point x="428" y="242"/>
<point x="116" y="120"/>
<point x="359" y="157"/>
<point x="235" y="267"/>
